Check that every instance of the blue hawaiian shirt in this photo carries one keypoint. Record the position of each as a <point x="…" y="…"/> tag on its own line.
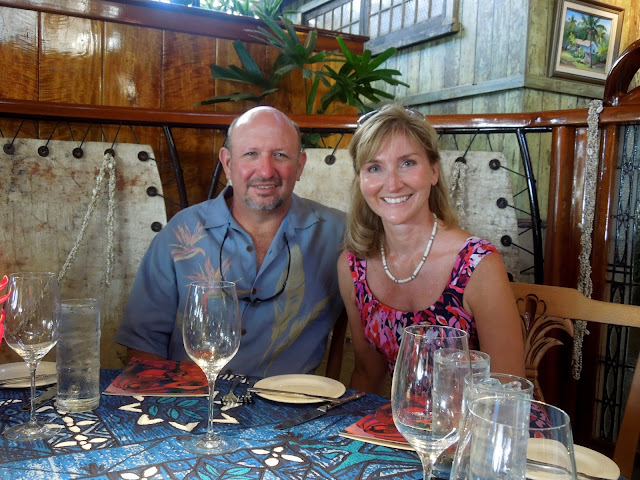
<point x="284" y="335"/>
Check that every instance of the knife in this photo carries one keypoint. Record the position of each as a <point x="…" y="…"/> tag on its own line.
<point x="318" y="412"/>
<point x="48" y="394"/>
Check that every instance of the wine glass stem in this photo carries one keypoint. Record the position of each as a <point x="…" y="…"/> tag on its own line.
<point x="212" y="393"/>
<point x="427" y="465"/>
<point x="32" y="373"/>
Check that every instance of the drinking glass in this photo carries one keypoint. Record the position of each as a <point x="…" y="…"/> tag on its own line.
<point x="427" y="387"/>
<point x="496" y="385"/>
<point x="499" y="439"/>
<point x="31" y="330"/>
<point x="211" y="334"/>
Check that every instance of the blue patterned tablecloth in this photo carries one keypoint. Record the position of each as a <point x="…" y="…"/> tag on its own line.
<point x="136" y="438"/>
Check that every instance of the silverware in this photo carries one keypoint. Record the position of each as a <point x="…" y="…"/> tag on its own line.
<point x="44" y="376"/>
<point x="232" y="397"/>
<point x="289" y="393"/>
<point x="48" y="394"/>
<point x="549" y="467"/>
<point x="318" y="412"/>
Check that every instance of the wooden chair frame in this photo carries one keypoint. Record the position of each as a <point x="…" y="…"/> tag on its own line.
<point x="544" y="309"/>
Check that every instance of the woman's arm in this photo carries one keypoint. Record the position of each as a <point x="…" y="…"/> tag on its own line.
<point x="489" y="298"/>
<point x="370" y="366"/>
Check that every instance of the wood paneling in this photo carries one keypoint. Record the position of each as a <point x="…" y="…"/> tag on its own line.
<point x="70" y="59"/>
<point x="186" y="70"/>
<point x="18" y="54"/>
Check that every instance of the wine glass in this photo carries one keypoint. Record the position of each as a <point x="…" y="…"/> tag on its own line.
<point x="427" y="388"/>
<point x="31" y="330"/>
<point x="211" y="334"/>
<point x="513" y="437"/>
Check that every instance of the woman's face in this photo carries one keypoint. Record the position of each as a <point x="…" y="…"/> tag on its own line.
<point x="397" y="181"/>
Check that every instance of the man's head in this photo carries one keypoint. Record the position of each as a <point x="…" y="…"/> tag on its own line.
<point x="263" y="159"/>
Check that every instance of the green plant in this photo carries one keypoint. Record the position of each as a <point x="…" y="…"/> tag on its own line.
<point x="351" y="85"/>
<point x="249" y="8"/>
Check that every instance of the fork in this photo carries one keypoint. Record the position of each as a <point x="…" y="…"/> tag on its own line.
<point x="232" y="397"/>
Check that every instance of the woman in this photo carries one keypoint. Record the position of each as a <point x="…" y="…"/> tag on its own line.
<point x="406" y="260"/>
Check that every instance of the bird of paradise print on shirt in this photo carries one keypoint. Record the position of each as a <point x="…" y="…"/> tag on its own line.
<point x="185" y="248"/>
<point x="285" y="331"/>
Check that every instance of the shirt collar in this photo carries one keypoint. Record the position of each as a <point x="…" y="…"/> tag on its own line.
<point x="300" y="216"/>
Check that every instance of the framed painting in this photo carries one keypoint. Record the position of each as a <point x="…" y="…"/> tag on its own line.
<point x="586" y="40"/>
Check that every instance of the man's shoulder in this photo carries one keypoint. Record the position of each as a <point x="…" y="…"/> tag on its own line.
<point x="308" y="207"/>
<point x="200" y="211"/>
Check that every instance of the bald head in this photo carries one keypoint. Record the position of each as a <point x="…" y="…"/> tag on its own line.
<point x="267" y="113"/>
<point x="263" y="160"/>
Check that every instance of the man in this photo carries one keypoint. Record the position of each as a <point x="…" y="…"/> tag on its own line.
<point x="280" y="249"/>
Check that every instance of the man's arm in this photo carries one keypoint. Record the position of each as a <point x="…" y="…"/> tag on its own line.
<point x="140" y="354"/>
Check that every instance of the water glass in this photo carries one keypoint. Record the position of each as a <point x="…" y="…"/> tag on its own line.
<point x="496" y="385"/>
<point x="78" y="356"/>
<point x="481" y="366"/>
<point x="499" y="439"/>
<point x="480" y="362"/>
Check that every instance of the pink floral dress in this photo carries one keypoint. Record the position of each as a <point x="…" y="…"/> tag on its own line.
<point x="383" y="325"/>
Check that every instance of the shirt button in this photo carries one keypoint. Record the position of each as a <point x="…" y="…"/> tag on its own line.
<point x="228" y="371"/>
<point x="249" y="248"/>
<point x="253" y="291"/>
<point x="243" y="331"/>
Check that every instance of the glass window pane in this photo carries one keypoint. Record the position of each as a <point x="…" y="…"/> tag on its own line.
<point x="374" y="23"/>
<point x="337" y="16"/>
<point x="437" y="7"/>
<point x="355" y="28"/>
<point x="356" y="9"/>
<point x="396" y="18"/>
<point x="384" y="22"/>
<point x="423" y="10"/>
<point x="346" y="14"/>
<point x="385" y="5"/>
<point x="409" y="12"/>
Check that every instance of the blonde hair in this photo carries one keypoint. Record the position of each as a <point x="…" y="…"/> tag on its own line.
<point x="364" y="227"/>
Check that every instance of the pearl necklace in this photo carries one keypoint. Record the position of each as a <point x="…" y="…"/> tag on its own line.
<point x="424" y="257"/>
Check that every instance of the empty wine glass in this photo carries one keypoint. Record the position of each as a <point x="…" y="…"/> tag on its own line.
<point x="31" y="330"/>
<point x="211" y="334"/>
<point x="427" y="388"/>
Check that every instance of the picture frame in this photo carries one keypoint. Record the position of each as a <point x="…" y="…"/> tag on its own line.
<point x="586" y="40"/>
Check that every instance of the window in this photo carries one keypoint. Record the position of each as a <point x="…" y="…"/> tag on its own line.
<point x="397" y="23"/>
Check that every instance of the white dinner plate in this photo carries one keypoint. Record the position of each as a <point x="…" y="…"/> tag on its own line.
<point x="587" y="461"/>
<point x="312" y="384"/>
<point x="594" y="463"/>
<point x="21" y="369"/>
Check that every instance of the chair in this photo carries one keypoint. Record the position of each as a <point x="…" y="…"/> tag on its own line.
<point x="544" y="308"/>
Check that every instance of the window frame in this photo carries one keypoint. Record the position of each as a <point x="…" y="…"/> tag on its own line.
<point x="430" y="29"/>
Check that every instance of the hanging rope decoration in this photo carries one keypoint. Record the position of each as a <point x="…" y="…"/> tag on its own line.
<point x="458" y="188"/>
<point x="108" y="166"/>
<point x="585" y="285"/>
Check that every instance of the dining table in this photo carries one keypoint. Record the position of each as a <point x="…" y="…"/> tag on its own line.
<point x="138" y="438"/>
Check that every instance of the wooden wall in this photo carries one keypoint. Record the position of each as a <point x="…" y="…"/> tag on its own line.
<point x="137" y="54"/>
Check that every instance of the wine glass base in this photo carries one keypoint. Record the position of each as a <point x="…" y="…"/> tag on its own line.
<point x="30" y="431"/>
<point x="204" y="445"/>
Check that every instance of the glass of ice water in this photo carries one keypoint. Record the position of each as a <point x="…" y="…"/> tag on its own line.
<point x="78" y="356"/>
<point x="514" y="438"/>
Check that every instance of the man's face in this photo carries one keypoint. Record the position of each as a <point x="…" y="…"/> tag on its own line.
<point x="264" y="161"/>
